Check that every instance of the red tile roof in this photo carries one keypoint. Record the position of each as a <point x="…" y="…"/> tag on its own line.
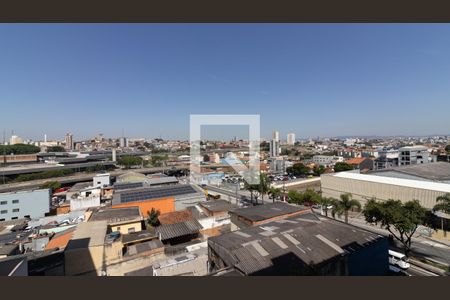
<point x="61" y="239"/>
<point x="175" y="217"/>
<point x="356" y="160"/>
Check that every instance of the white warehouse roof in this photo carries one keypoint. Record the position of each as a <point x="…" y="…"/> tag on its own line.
<point x="418" y="184"/>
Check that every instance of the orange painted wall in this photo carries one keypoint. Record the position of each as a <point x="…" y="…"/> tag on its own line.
<point x="165" y="205"/>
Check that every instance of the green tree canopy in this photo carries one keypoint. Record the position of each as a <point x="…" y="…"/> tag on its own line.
<point x="307" y="197"/>
<point x="443" y="203"/>
<point x="326" y="202"/>
<point x="342" y="166"/>
<point x="400" y="219"/>
<point x="344" y="205"/>
<point x="260" y="189"/>
<point x="447" y="148"/>
<point x="298" y="169"/>
<point x="153" y="217"/>
<point x="19" y="149"/>
<point x="53" y="185"/>
<point x="318" y="170"/>
<point x="274" y="193"/>
<point x="129" y="161"/>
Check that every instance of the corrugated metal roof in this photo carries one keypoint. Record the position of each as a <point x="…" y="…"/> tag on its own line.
<point x="312" y="242"/>
<point x="171" y="231"/>
<point x="418" y="184"/>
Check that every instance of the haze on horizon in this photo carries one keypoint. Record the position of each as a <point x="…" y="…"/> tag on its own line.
<point x="311" y="79"/>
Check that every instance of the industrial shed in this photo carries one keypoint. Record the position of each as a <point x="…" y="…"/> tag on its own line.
<point x="364" y="187"/>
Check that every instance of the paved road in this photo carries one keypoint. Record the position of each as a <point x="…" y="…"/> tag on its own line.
<point x="420" y="246"/>
<point x="78" y="178"/>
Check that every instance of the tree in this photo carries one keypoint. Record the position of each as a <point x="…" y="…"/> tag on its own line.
<point x="129" y="161"/>
<point x="259" y="189"/>
<point x="153" y="216"/>
<point x="342" y="166"/>
<point x="53" y="185"/>
<point x="19" y="149"/>
<point x="443" y="205"/>
<point x="318" y="170"/>
<point x="308" y="197"/>
<point x="298" y="169"/>
<point x="295" y="197"/>
<point x="326" y="202"/>
<point x="55" y="149"/>
<point x="344" y="205"/>
<point x="274" y="193"/>
<point x="96" y="168"/>
<point x="447" y="149"/>
<point x="400" y="219"/>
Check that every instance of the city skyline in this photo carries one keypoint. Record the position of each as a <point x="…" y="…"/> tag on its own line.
<point x="309" y="79"/>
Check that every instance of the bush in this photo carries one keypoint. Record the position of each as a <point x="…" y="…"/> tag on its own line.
<point x="56" y="149"/>
<point x="43" y="175"/>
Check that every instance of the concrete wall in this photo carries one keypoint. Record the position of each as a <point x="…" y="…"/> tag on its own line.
<point x="333" y="186"/>
<point x="84" y="203"/>
<point x="84" y="261"/>
<point x="211" y="222"/>
<point x="34" y="203"/>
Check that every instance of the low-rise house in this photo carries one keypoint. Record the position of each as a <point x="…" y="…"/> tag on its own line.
<point x="124" y="220"/>
<point x="363" y="164"/>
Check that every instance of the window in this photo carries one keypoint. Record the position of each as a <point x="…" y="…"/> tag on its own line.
<point x="27" y="217"/>
<point x="4" y="211"/>
<point x="130" y="230"/>
<point x="14" y="218"/>
<point x="15" y="201"/>
<point x="3" y="202"/>
<point x="118" y="228"/>
<point x="1" y="220"/>
<point x="15" y="210"/>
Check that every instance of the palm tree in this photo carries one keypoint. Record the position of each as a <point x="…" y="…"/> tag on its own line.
<point x="346" y="203"/>
<point x="259" y="189"/>
<point x="325" y="202"/>
<point x="274" y="193"/>
<point x="153" y="217"/>
<point x="443" y="205"/>
<point x="263" y="186"/>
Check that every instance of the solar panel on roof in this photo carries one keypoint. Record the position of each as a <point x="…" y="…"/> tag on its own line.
<point x="158" y="193"/>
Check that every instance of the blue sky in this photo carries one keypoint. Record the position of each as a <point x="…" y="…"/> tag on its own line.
<point x="311" y="79"/>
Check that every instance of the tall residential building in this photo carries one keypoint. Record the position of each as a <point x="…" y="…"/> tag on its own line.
<point x="275" y="145"/>
<point x="413" y="155"/>
<point x="15" y="140"/>
<point x="291" y="138"/>
<point x="276" y="136"/>
<point x="123" y="142"/>
<point x="69" y="141"/>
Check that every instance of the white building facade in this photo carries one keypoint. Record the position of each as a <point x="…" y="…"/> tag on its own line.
<point x="24" y="204"/>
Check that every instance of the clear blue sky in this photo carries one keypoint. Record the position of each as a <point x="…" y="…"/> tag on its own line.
<point x="311" y="79"/>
